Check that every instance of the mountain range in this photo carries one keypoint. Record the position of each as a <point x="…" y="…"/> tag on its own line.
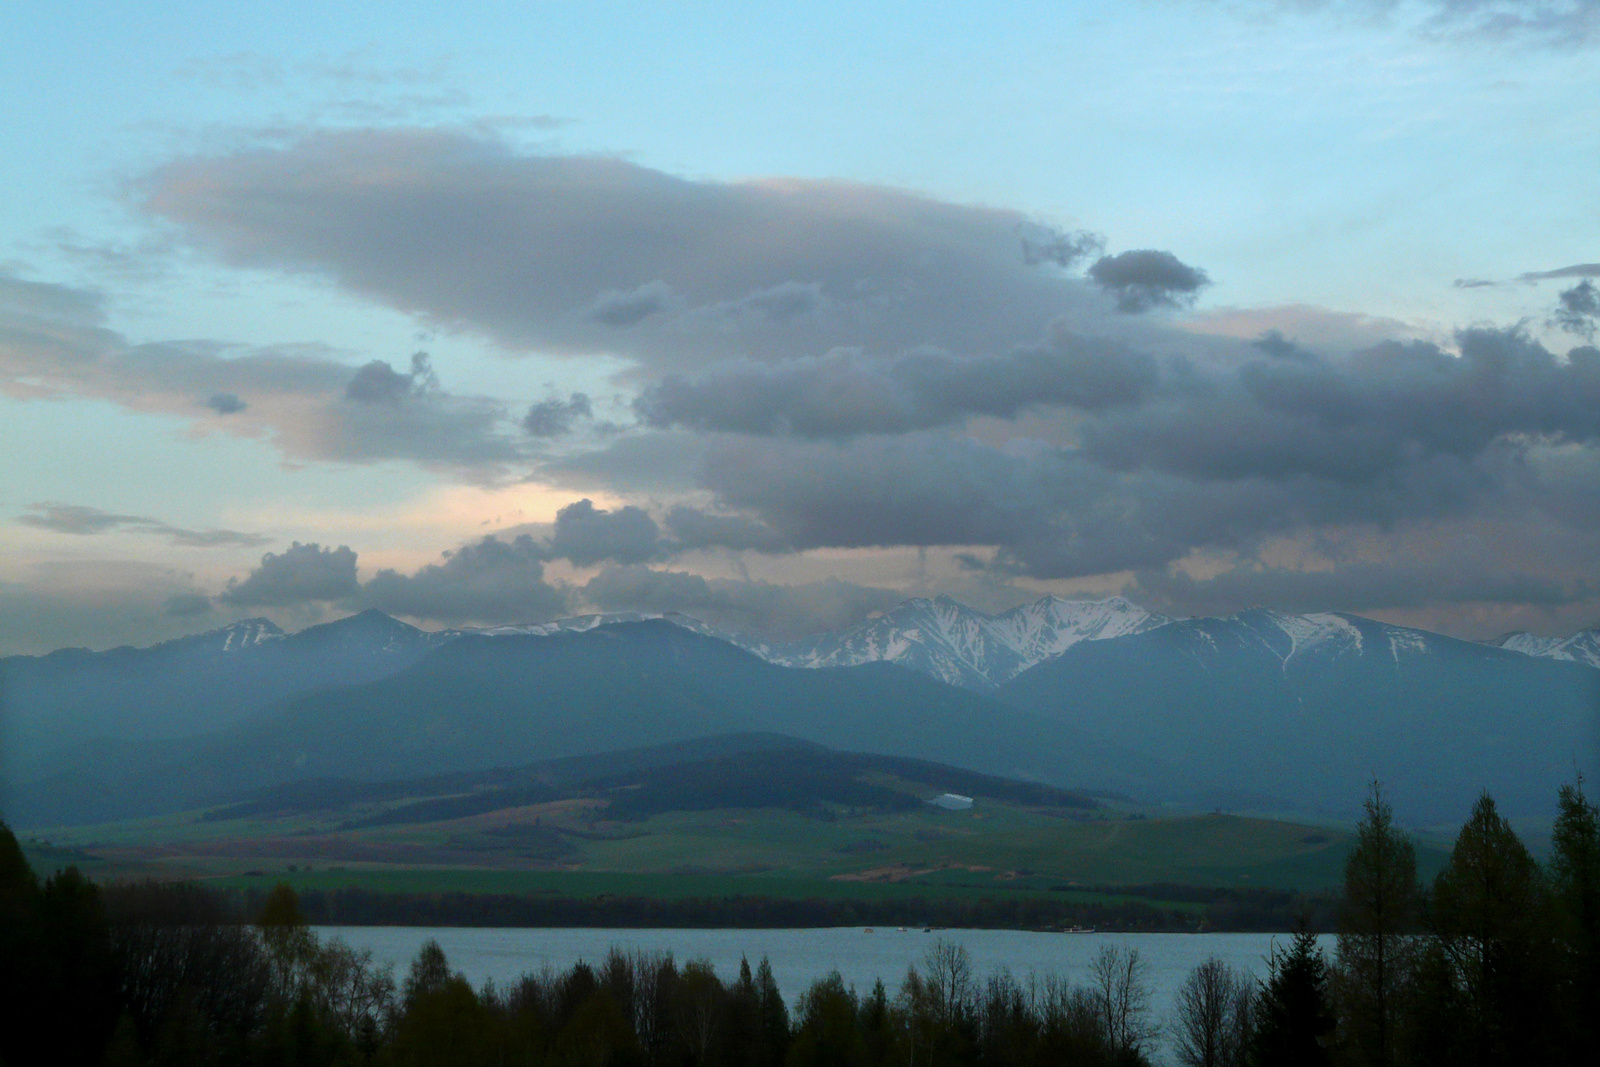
<point x="1260" y="711"/>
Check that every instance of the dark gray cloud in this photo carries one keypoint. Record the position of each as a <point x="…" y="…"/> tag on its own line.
<point x="81" y="520"/>
<point x="587" y="535"/>
<point x="1211" y="458"/>
<point x="591" y="254"/>
<point x="1578" y="310"/>
<point x="489" y="581"/>
<point x="555" y="417"/>
<point x="1361" y="419"/>
<point x="847" y="393"/>
<point x="305" y="401"/>
<point x="300" y="574"/>
<point x="1050" y="512"/>
<point x="1147" y="278"/>
<point x="696" y="529"/>
<point x="225" y="403"/>
<point x="779" y="612"/>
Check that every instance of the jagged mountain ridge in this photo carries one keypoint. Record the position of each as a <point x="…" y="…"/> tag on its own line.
<point x="962" y="646"/>
<point x="938" y="636"/>
<point x="947" y="640"/>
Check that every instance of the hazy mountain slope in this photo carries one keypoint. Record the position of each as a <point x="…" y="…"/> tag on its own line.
<point x="481" y="702"/>
<point x="190" y="686"/>
<point x="1265" y="710"/>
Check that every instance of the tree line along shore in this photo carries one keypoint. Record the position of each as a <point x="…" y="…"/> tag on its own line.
<point x="1496" y="962"/>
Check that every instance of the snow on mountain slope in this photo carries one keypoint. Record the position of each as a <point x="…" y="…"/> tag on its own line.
<point x="235" y="637"/>
<point x="582" y="623"/>
<point x="1581" y="647"/>
<point x="962" y="646"/>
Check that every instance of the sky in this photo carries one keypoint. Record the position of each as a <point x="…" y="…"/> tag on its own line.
<point x="776" y="315"/>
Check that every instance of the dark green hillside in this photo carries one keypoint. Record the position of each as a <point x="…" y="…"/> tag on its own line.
<point x="731" y="771"/>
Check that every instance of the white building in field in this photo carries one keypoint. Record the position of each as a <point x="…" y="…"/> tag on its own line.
<point x="951" y="802"/>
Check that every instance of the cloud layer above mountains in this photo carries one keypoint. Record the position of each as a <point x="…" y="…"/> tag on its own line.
<point x="813" y="366"/>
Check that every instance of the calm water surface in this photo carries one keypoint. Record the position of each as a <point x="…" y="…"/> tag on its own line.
<point x="800" y="957"/>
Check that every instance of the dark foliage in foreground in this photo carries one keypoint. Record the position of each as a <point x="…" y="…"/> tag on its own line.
<point x="1496" y="965"/>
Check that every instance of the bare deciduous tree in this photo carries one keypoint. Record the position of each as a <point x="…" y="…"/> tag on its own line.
<point x="952" y="988"/>
<point x="1119" y="981"/>
<point x="1212" y="1016"/>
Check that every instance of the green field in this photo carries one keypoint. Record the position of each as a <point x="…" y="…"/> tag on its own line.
<point x="991" y="849"/>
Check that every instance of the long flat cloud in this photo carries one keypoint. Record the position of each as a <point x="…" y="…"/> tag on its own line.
<point x="584" y="254"/>
<point x="84" y="521"/>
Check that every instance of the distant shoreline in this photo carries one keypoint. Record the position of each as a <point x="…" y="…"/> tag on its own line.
<point x="1228" y="913"/>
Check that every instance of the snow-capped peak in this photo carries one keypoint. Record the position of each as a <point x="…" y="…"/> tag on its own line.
<point x="1581" y="647"/>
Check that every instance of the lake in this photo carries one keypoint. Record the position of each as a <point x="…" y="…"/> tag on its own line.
<point x="799" y="957"/>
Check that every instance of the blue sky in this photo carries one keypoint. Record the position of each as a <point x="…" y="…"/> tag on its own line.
<point x="1327" y="171"/>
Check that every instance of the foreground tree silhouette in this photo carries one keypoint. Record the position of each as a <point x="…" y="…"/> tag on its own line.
<point x="1378" y="917"/>
<point x="826" y="1033"/>
<point x="20" y="949"/>
<point x="1293" y="1017"/>
<point x="1492" y="921"/>
<point x="1575" y="878"/>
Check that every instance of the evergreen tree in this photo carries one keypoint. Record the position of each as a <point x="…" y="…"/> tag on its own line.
<point x="1491" y="918"/>
<point x="827" y="1032"/>
<point x="774" y="1013"/>
<point x="1377" y="918"/>
<point x="1575" y="878"/>
<point x="77" y="981"/>
<point x="20" y="951"/>
<point x="1293" y="1019"/>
